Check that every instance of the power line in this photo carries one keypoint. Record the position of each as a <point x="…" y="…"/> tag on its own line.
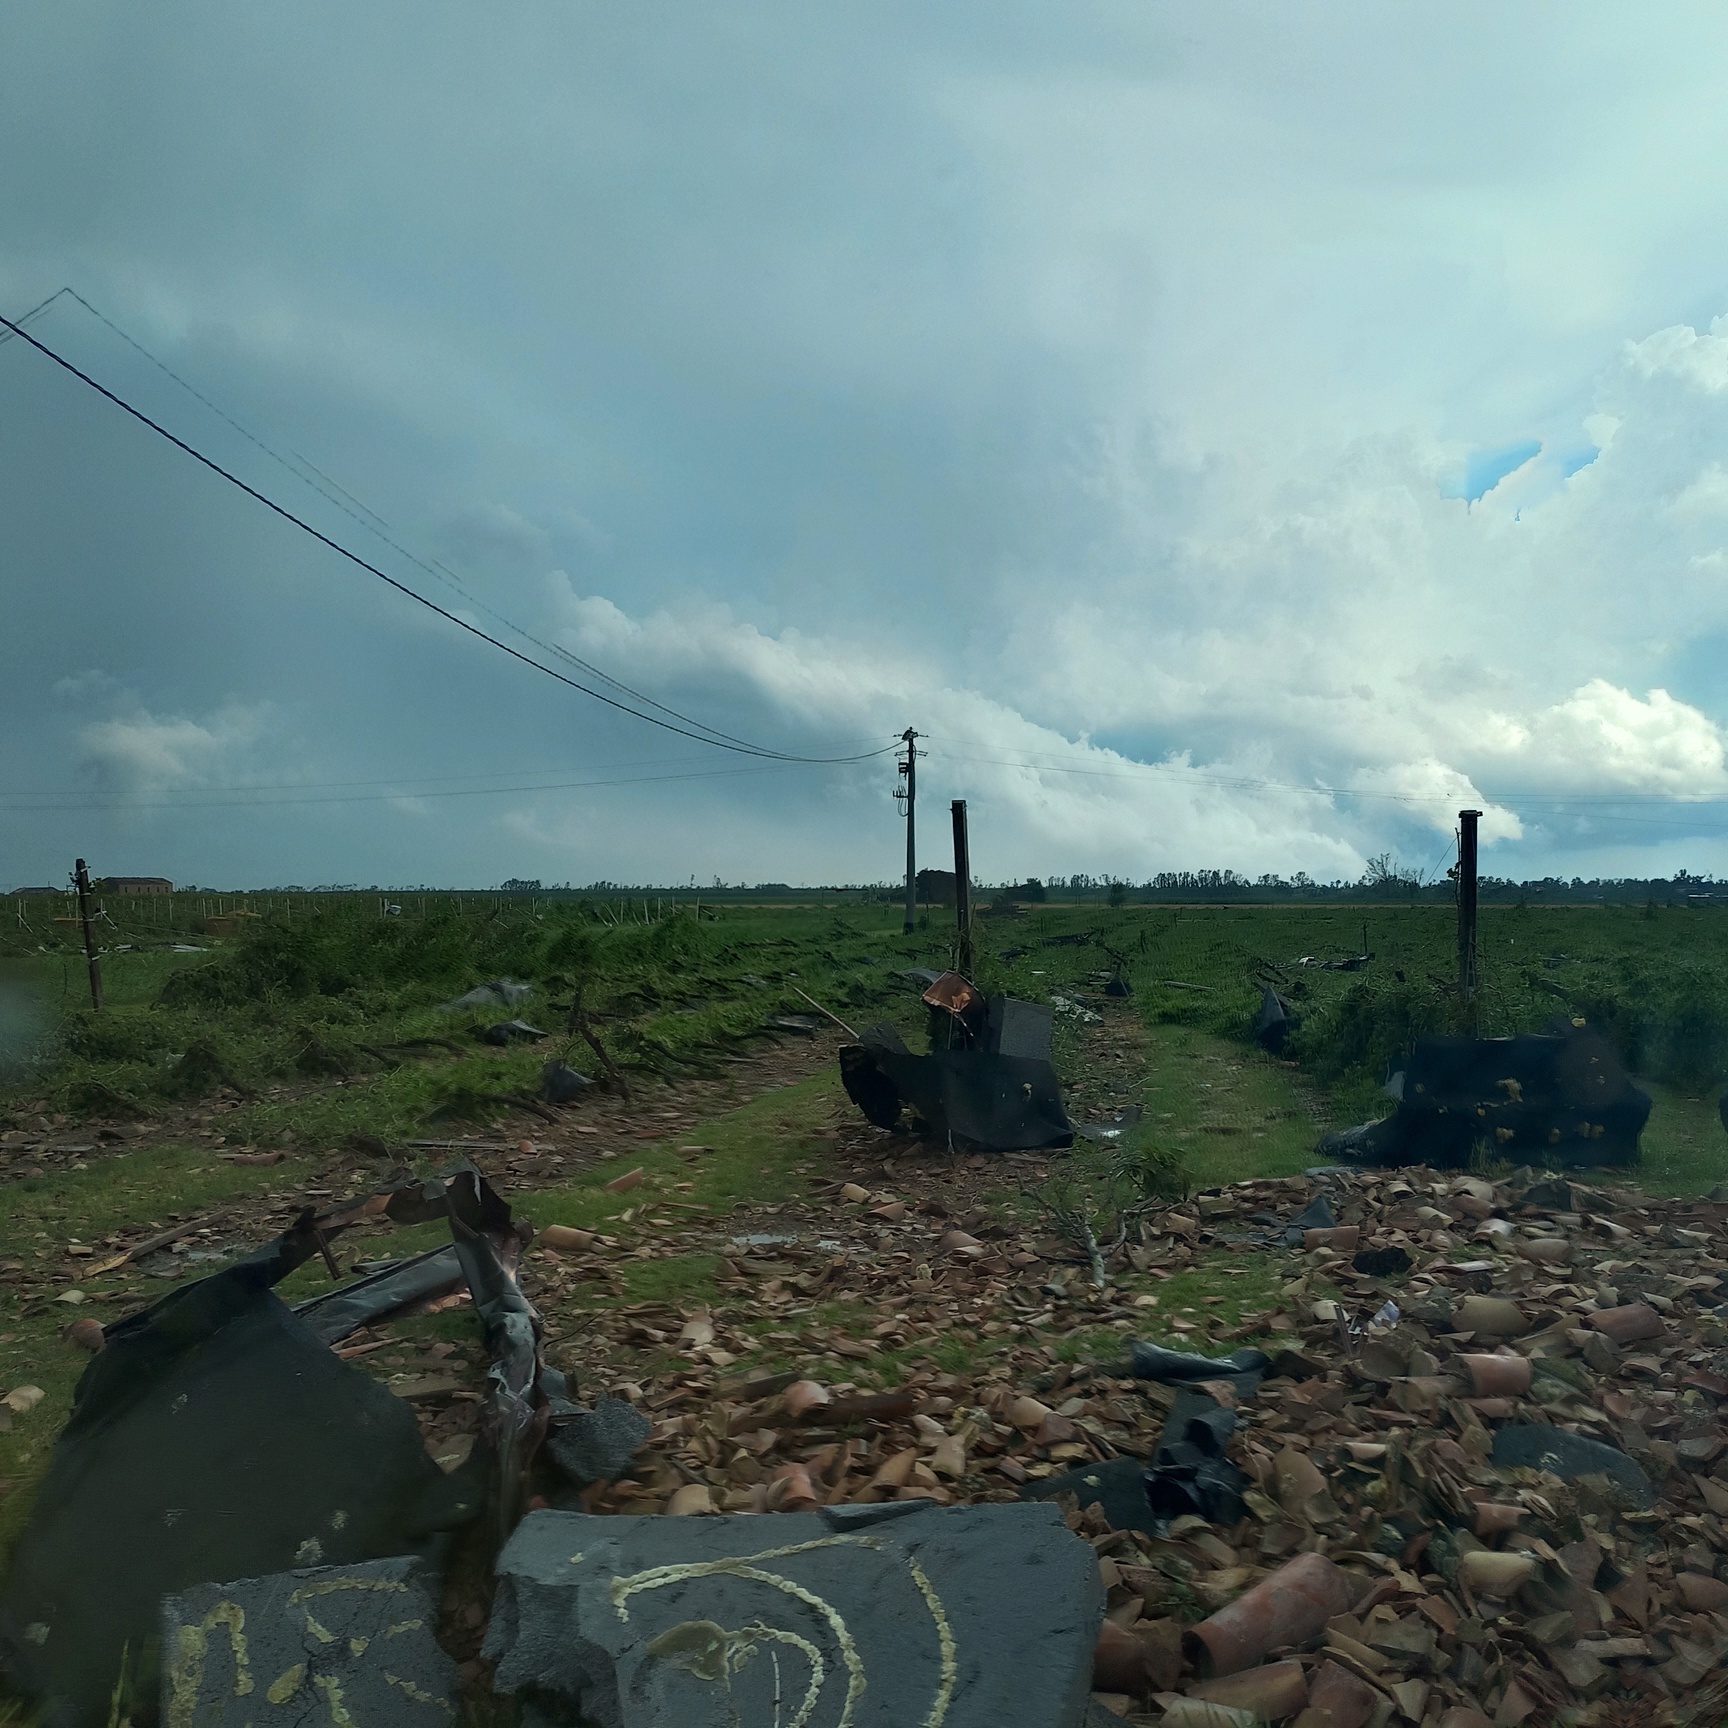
<point x="717" y="741"/>
<point x="369" y="519"/>
<point x="40" y="307"/>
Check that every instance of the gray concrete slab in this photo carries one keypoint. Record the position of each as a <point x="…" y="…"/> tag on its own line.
<point x="963" y="1617"/>
<point x="342" y="1644"/>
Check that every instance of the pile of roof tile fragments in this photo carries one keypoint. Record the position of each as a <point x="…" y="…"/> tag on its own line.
<point x="1481" y="1482"/>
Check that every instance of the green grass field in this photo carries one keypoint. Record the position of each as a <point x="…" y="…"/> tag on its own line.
<point x="315" y="990"/>
<point x="315" y="1013"/>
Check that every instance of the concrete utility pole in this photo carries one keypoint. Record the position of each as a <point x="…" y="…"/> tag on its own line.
<point x="910" y="793"/>
<point x="962" y="887"/>
<point x="81" y="880"/>
<point x="1467" y="820"/>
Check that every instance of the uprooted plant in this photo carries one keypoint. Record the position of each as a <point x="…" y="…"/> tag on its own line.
<point x="1102" y="1192"/>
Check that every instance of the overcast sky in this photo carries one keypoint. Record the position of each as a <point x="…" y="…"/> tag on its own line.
<point x="1237" y="435"/>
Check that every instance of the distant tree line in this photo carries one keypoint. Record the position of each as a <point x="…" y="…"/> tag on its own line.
<point x="1383" y="880"/>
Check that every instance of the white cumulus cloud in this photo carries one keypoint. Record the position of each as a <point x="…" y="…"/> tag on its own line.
<point x="137" y="751"/>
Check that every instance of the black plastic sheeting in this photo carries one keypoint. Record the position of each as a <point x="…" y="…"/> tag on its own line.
<point x="1560" y="1098"/>
<point x="1538" y="1446"/>
<point x="994" y="1087"/>
<point x="1318" y="1216"/>
<point x="215" y="1437"/>
<point x="562" y="1084"/>
<point x="511" y="1032"/>
<point x="1274" y="1023"/>
<point x="338" y="1313"/>
<point x="999" y="1103"/>
<point x="1244" y="1369"/>
<point x="1189" y="1472"/>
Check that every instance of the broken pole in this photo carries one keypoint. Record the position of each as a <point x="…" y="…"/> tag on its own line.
<point x="81" y="880"/>
<point x="1467" y="820"/>
<point x="910" y="769"/>
<point x="962" y="890"/>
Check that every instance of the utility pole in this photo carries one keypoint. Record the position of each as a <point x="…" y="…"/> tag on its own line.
<point x="1467" y="820"/>
<point x="81" y="879"/>
<point x="908" y="794"/>
<point x="962" y="887"/>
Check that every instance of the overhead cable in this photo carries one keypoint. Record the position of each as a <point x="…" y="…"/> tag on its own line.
<point x="700" y="737"/>
<point x="309" y="474"/>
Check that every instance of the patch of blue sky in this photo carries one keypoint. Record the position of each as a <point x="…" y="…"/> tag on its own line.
<point x="1485" y="469"/>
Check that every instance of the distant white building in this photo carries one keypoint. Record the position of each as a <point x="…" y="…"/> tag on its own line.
<point x="133" y="885"/>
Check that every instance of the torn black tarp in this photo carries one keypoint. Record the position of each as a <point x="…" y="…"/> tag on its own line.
<point x="385" y="1290"/>
<point x="500" y="993"/>
<point x="1244" y="1369"/>
<point x="1318" y="1216"/>
<point x="216" y="1436"/>
<point x="999" y="1103"/>
<point x="562" y="1084"/>
<point x="987" y="1082"/>
<point x="1560" y="1097"/>
<point x="1273" y="1024"/>
<point x="511" y="1032"/>
<point x="1118" y="1485"/>
<point x="1190" y="1473"/>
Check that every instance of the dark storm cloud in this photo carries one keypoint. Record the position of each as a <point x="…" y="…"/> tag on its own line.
<point x="1051" y="380"/>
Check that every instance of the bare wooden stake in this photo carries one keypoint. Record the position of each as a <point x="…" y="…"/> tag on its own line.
<point x="962" y="889"/>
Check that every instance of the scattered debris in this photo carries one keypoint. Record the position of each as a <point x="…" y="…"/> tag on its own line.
<point x="561" y="1084"/>
<point x="1274" y="1023"/>
<point x="990" y="1085"/>
<point x="826" y="1015"/>
<point x="215" y="1435"/>
<point x="799" y="1025"/>
<point x="511" y="1032"/>
<point x="1561" y="1096"/>
<point x="500" y="993"/>
<point x="1115" y="1127"/>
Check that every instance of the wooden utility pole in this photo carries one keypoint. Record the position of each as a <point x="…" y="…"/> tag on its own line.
<point x="81" y="879"/>
<point x="910" y="793"/>
<point x="962" y="887"/>
<point x="1467" y="820"/>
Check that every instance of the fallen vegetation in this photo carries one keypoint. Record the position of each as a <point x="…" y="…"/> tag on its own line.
<point x="731" y="1231"/>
